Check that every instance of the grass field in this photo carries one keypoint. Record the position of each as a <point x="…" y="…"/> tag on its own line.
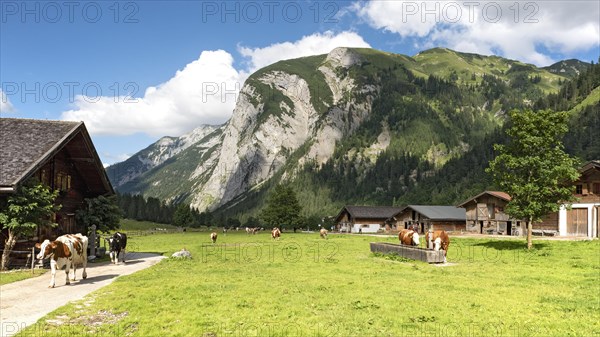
<point x="134" y="225"/>
<point x="18" y="275"/>
<point x="306" y="286"/>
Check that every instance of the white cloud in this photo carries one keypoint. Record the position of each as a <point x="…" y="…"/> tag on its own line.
<point x="114" y="158"/>
<point x="527" y="31"/>
<point x="203" y="92"/>
<point x="402" y="17"/>
<point x="5" y="104"/>
<point x="314" y="44"/>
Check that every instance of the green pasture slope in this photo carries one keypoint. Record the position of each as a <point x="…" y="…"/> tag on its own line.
<point x="306" y="286"/>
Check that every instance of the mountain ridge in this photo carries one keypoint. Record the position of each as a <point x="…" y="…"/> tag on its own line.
<point x="313" y="110"/>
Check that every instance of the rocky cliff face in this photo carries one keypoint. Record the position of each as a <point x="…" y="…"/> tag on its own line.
<point x="274" y="117"/>
<point x="257" y="142"/>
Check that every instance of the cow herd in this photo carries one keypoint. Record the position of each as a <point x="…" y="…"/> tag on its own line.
<point x="70" y="250"/>
<point x="275" y="233"/>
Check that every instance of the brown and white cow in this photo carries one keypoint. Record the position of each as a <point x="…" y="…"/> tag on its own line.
<point x="323" y="233"/>
<point x="275" y="233"/>
<point x="438" y="239"/>
<point x="409" y="237"/>
<point x="213" y="237"/>
<point x="67" y="250"/>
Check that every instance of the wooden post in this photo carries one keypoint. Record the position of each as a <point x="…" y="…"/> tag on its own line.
<point x="32" y="259"/>
<point x="92" y="240"/>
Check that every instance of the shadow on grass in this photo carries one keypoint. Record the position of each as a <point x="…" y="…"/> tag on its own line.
<point x="510" y="245"/>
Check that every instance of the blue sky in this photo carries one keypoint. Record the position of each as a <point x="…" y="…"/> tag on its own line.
<point x="138" y="70"/>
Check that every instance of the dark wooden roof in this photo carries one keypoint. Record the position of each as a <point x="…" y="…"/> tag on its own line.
<point x="439" y="213"/>
<point x="27" y="144"/>
<point x="592" y="165"/>
<point x="369" y="212"/>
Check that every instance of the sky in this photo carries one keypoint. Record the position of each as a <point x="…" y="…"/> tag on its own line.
<point x="135" y="71"/>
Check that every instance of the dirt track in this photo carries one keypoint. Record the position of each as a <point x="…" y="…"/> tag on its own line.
<point x="23" y="303"/>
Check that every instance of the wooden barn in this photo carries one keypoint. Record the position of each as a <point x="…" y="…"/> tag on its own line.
<point x="485" y="215"/>
<point x="448" y="218"/>
<point x="583" y="218"/>
<point x="364" y="219"/>
<point x="59" y="154"/>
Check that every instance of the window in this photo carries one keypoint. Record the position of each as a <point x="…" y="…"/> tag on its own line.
<point x="62" y="182"/>
<point x="578" y="189"/>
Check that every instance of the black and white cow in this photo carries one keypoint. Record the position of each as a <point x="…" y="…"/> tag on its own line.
<point x="117" y="244"/>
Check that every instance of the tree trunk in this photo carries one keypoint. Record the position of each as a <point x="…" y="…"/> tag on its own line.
<point x="8" y="247"/>
<point x="529" y="233"/>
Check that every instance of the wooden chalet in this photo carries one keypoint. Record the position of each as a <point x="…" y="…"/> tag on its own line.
<point x="364" y="219"/>
<point x="59" y="154"/>
<point x="448" y="218"/>
<point x="583" y="217"/>
<point x="485" y="215"/>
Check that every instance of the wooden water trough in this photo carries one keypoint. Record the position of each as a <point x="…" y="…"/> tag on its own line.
<point x="409" y="252"/>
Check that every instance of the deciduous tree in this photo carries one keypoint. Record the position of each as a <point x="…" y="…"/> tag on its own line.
<point x="533" y="167"/>
<point x="30" y="206"/>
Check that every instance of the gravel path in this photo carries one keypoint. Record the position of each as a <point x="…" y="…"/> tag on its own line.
<point x="23" y="303"/>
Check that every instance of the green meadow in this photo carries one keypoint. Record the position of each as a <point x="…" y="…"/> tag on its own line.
<point x="302" y="285"/>
<point x="128" y="225"/>
<point x="18" y="275"/>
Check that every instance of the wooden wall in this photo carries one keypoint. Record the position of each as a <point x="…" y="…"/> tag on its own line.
<point x="59" y="173"/>
<point x="590" y="187"/>
<point x="549" y="222"/>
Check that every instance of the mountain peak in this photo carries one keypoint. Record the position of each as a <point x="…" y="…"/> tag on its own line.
<point x="344" y="57"/>
<point x="568" y="68"/>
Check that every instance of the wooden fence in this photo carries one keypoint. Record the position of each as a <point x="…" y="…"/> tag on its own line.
<point x="24" y="259"/>
<point x="152" y="232"/>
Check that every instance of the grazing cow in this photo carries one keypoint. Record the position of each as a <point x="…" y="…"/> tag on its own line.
<point x="438" y="239"/>
<point x="117" y="244"/>
<point x="323" y="233"/>
<point x="251" y="230"/>
<point x="408" y="237"/>
<point x="67" y="250"/>
<point x="275" y="233"/>
<point x="213" y="237"/>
